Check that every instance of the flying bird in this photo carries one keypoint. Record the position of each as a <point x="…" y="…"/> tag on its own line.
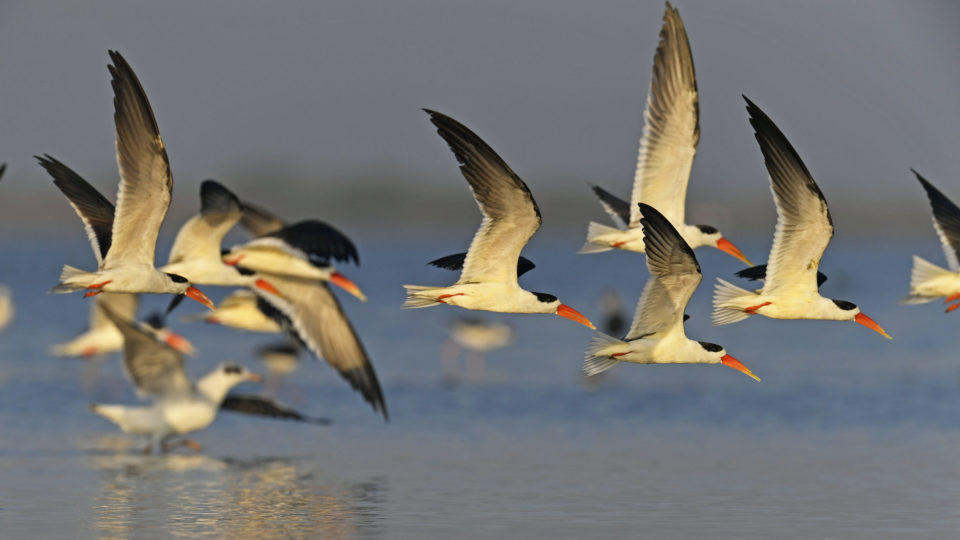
<point x="804" y="229"/>
<point x="657" y="335"/>
<point x="488" y="280"/>
<point x="241" y="310"/>
<point x="125" y="239"/>
<point x="179" y="406"/>
<point x="927" y="280"/>
<point x="671" y="133"/>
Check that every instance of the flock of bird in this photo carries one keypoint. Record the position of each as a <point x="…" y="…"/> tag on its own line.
<point x="283" y="273"/>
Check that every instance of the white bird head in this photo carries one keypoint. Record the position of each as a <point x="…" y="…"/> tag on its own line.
<point x="218" y="382"/>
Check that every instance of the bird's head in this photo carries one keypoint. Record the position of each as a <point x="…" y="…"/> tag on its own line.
<point x="850" y="311"/>
<point x="182" y="286"/>
<point x="715" y="354"/>
<point x="236" y="374"/>
<point x="548" y="303"/>
<point x="708" y="235"/>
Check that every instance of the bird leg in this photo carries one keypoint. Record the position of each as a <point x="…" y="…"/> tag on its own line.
<point x="95" y="288"/>
<point x="89" y="351"/>
<point x="442" y="296"/>
<point x="752" y="310"/>
<point x="236" y="261"/>
<point x="148" y="449"/>
<point x="953" y="307"/>
<point x="195" y="446"/>
<point x="618" y="244"/>
<point x="951" y="298"/>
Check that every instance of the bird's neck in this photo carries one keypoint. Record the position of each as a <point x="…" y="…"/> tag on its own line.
<point x="214" y="386"/>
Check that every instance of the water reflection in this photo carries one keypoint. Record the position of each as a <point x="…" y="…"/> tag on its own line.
<point x="197" y="495"/>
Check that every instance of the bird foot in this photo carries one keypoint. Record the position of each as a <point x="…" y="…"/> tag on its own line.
<point x="617" y="354"/>
<point x="89" y="351"/>
<point x="92" y="293"/>
<point x="618" y="244"/>
<point x="234" y="262"/>
<point x="195" y="446"/>
<point x="951" y="298"/>
<point x="147" y="450"/>
<point x="953" y="307"/>
<point x="442" y="296"/>
<point x="753" y="309"/>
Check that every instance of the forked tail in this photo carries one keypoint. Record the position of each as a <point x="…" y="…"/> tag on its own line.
<point x="72" y="279"/>
<point x="923" y="271"/>
<point x="728" y="303"/>
<point x="419" y="296"/>
<point x="595" y="243"/>
<point x="597" y="358"/>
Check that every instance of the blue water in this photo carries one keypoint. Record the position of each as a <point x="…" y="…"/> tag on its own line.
<point x="849" y="435"/>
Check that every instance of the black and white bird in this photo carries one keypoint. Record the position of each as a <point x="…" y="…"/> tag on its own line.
<point x="488" y="280"/>
<point x="671" y="133"/>
<point x="179" y="406"/>
<point x="196" y="253"/>
<point x="657" y="335"/>
<point x="241" y="310"/>
<point x="804" y="229"/>
<point x="125" y="239"/>
<point x="927" y="280"/>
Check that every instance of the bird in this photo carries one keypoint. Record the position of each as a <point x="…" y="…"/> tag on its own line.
<point x="124" y="239"/>
<point x="103" y="337"/>
<point x="196" y="253"/>
<point x="488" y="280"/>
<point x="804" y="229"/>
<point x="927" y="280"/>
<point x="476" y="337"/>
<point x="671" y="133"/>
<point x="657" y="335"/>
<point x="239" y="310"/>
<point x="303" y="249"/>
<point x="179" y="406"/>
<point x="280" y="359"/>
<point x="6" y="299"/>
<point x="311" y="314"/>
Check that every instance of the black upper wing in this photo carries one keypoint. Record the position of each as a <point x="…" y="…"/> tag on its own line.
<point x="759" y="272"/>
<point x="946" y="219"/>
<point x="455" y="262"/>
<point x="264" y="406"/>
<point x="319" y="241"/>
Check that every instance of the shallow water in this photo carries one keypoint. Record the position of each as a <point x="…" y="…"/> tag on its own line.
<point x="848" y="436"/>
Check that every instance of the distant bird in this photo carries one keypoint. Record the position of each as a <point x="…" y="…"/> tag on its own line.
<point x="103" y="337"/>
<point x="476" y="337"/>
<point x="6" y="299"/>
<point x="671" y="133"/>
<point x="125" y="240"/>
<point x="804" y="229"/>
<point x="239" y="310"/>
<point x="196" y="253"/>
<point x="657" y="335"/>
<point x="614" y="319"/>
<point x="309" y="311"/>
<point x="927" y="280"/>
<point x="280" y="359"/>
<point x="488" y="281"/>
<point x="179" y="406"/>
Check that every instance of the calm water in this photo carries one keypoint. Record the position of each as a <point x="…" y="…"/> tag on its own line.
<point x="848" y="436"/>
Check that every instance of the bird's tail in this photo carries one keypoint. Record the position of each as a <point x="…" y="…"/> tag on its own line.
<point x="597" y="358"/>
<point x="595" y="238"/>
<point x="923" y="271"/>
<point x="114" y="413"/>
<point x="728" y="303"/>
<point x="419" y="296"/>
<point x="72" y="279"/>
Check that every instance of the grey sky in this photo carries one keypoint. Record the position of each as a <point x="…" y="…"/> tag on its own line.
<point x="322" y="100"/>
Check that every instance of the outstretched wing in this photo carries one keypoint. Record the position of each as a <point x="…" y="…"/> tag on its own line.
<point x="155" y="368"/>
<point x="264" y="406"/>
<point x="946" y="220"/>
<point x="200" y="237"/>
<point x="674" y="275"/>
<point x="671" y="129"/>
<point x="259" y="222"/>
<point x="308" y="310"/>
<point x="804" y="226"/>
<point x="618" y="208"/>
<point x="311" y="240"/>
<point x="146" y="183"/>
<point x="94" y="209"/>
<point x="510" y="215"/>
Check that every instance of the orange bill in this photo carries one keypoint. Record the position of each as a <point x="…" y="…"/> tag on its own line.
<point x="568" y="312"/>
<point x="727" y="246"/>
<point x="732" y="362"/>
<point x="195" y="294"/>
<point x="179" y="343"/>
<point x="344" y="283"/>
<point x="265" y="285"/>
<point x="254" y="377"/>
<point x="869" y="323"/>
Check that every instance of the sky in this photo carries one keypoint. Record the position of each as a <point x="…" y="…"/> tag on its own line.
<point x="313" y="108"/>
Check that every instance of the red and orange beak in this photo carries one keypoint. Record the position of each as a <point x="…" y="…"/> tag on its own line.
<point x="265" y="285"/>
<point x="568" y="312"/>
<point x="732" y="362"/>
<point x="727" y="246"/>
<point x="869" y="323"/>
<point x="195" y="293"/>
<point x="179" y="343"/>
<point x="254" y="377"/>
<point x="344" y="283"/>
